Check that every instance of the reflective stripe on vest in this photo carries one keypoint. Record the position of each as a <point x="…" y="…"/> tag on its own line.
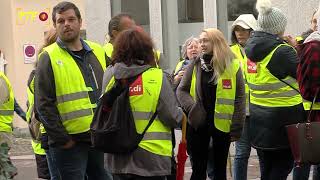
<point x="266" y="89"/>
<point x="236" y="49"/>
<point x="7" y="109"/>
<point x="225" y="96"/>
<point x="158" y="138"/>
<point x="73" y="102"/>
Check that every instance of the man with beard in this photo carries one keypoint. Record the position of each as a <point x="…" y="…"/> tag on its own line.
<point x="67" y="87"/>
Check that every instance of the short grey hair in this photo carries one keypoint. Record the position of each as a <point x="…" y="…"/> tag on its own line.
<point x="186" y="44"/>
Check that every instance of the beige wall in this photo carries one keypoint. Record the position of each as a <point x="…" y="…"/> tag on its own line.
<point x="16" y="32"/>
<point x="298" y="12"/>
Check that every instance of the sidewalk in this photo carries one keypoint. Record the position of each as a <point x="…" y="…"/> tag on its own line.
<point x="23" y="157"/>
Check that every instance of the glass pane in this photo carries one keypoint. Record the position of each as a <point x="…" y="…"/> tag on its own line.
<point x="190" y="11"/>
<point x="238" y="7"/>
<point x="139" y="9"/>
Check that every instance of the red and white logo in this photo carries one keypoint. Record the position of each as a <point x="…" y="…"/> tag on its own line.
<point x="251" y="66"/>
<point x="136" y="88"/>
<point x="226" y="84"/>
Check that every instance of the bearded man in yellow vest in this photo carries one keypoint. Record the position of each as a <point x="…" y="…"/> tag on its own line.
<point x="67" y="87"/>
<point x="6" y="118"/>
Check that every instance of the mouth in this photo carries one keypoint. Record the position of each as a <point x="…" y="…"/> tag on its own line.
<point x="67" y="30"/>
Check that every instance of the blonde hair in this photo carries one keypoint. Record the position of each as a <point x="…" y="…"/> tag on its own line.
<point x="49" y="38"/>
<point x="222" y="54"/>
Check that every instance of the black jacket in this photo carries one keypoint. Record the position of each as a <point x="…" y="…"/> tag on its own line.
<point x="45" y="93"/>
<point x="267" y="125"/>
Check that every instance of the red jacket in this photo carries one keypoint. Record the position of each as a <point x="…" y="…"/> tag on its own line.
<point x="308" y="71"/>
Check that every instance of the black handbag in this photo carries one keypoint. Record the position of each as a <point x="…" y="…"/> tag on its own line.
<point x="113" y="128"/>
<point x="304" y="139"/>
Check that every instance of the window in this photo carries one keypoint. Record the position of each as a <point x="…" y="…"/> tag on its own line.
<point x="238" y="7"/>
<point x="190" y="11"/>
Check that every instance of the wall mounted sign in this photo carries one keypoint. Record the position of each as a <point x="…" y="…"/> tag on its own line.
<point x="28" y="17"/>
<point x="29" y="51"/>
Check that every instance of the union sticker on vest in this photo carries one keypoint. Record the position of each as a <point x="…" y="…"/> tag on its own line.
<point x="226" y="84"/>
<point x="252" y="66"/>
<point x="136" y="88"/>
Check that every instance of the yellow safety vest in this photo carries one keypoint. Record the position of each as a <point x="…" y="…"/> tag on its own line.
<point x="307" y="105"/>
<point x="236" y="49"/>
<point x="266" y="89"/>
<point x="7" y="109"/>
<point x="225" y="96"/>
<point x="36" y="146"/>
<point x="144" y="96"/>
<point x="73" y="102"/>
<point x="178" y="67"/>
<point x="108" y="48"/>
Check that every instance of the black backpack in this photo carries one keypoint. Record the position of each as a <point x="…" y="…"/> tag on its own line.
<point x="113" y="129"/>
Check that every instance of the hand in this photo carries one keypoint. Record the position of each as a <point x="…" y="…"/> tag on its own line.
<point x="68" y="145"/>
<point x="290" y="40"/>
<point x="179" y="75"/>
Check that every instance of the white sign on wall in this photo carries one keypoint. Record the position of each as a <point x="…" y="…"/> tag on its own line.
<point x="29" y="51"/>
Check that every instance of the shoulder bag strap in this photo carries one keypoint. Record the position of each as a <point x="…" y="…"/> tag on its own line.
<point x="150" y="122"/>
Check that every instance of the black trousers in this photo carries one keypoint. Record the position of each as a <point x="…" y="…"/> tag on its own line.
<point x="276" y="164"/>
<point x="42" y="166"/>
<point x="198" y="142"/>
<point x="135" y="177"/>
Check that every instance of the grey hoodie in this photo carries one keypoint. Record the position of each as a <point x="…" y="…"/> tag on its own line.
<point x="142" y="162"/>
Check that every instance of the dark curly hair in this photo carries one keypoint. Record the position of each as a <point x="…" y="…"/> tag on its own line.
<point x="133" y="46"/>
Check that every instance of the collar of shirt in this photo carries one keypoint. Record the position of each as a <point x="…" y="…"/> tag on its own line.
<point x="62" y="45"/>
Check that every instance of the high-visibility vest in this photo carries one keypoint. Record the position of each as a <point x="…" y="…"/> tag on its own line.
<point x="225" y="96"/>
<point x="108" y="48"/>
<point x="236" y="49"/>
<point x="178" y="67"/>
<point x="36" y="146"/>
<point x="307" y="105"/>
<point x="267" y="90"/>
<point x="73" y="101"/>
<point x="7" y="109"/>
<point x="144" y="95"/>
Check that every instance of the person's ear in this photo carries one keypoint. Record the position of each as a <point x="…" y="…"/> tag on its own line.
<point x="114" y="33"/>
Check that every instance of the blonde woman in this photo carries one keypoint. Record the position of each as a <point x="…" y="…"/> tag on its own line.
<point x="212" y="93"/>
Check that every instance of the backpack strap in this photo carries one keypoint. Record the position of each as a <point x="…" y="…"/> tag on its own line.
<point x="150" y="122"/>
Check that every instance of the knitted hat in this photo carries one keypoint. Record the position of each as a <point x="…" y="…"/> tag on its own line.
<point x="270" y="19"/>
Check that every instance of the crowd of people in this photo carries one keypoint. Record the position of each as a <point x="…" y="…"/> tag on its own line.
<point x="246" y="93"/>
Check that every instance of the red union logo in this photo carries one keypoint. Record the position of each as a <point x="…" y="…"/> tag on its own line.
<point x="136" y="88"/>
<point x="226" y="84"/>
<point x="251" y="66"/>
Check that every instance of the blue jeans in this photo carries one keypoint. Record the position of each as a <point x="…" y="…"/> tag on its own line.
<point x="78" y="162"/>
<point x="54" y="173"/>
<point x="243" y="149"/>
